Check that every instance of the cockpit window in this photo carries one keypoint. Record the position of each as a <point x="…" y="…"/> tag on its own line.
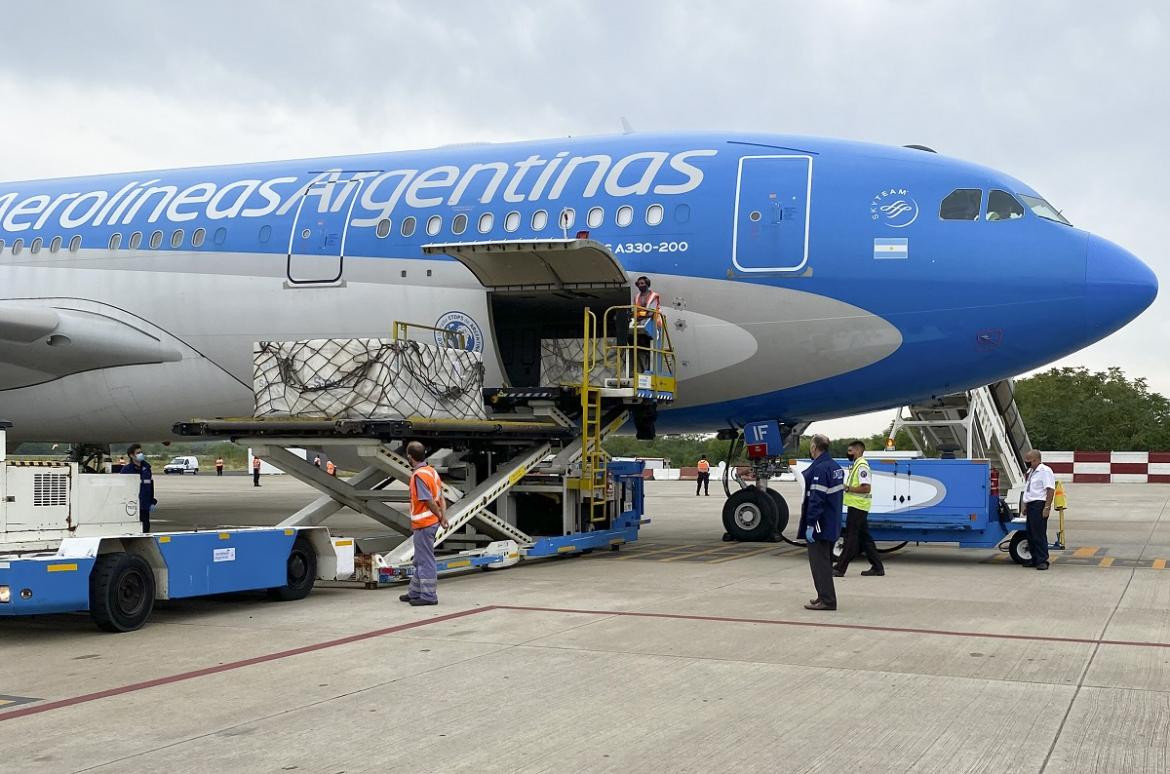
<point x="1043" y="209"/>
<point x="1001" y="205"/>
<point x="961" y="204"/>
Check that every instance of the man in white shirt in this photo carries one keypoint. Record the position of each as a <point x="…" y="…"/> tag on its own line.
<point x="1038" y="493"/>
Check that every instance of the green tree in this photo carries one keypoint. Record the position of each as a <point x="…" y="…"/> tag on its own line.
<point x="1074" y="408"/>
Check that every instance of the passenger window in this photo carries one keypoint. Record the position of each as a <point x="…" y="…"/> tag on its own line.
<point x="512" y="221"/>
<point x="177" y="238"/>
<point x="1001" y="205"/>
<point x="459" y="223"/>
<point x="265" y="235"/>
<point x="35" y="246"/>
<point x="485" y="222"/>
<point x="434" y="223"/>
<point x="539" y="220"/>
<point x="197" y="237"/>
<point x="682" y="213"/>
<point x="115" y="241"/>
<point x="383" y="229"/>
<point x="594" y="217"/>
<point x="407" y="228"/>
<point x="55" y="245"/>
<point x="961" y="204"/>
<point x="1" y="245"/>
<point x="17" y="246"/>
<point x="135" y="240"/>
<point x="568" y="218"/>
<point x="220" y="236"/>
<point x="625" y="215"/>
<point x="155" y="240"/>
<point x="75" y="243"/>
<point x="654" y="214"/>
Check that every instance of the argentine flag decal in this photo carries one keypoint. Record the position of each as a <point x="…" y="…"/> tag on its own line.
<point x="891" y="247"/>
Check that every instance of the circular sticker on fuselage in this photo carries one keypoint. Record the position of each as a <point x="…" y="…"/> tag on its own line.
<point x="460" y="323"/>
<point x="894" y="207"/>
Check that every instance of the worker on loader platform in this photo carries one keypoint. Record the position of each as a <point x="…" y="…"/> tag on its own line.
<point x="428" y="512"/>
<point x="139" y="465"/>
<point x="647" y="320"/>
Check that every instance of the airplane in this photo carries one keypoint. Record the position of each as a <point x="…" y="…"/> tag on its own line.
<point x="803" y="278"/>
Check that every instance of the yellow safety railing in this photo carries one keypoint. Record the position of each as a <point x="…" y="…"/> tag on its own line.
<point x="593" y="458"/>
<point x="451" y="339"/>
<point x="648" y="366"/>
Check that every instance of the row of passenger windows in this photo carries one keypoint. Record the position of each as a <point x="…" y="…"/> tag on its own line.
<point x="38" y="243"/>
<point x="594" y="218"/>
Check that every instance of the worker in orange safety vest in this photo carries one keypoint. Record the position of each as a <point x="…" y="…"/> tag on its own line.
<point x="647" y="320"/>
<point x="428" y="512"/>
<point x="704" y="478"/>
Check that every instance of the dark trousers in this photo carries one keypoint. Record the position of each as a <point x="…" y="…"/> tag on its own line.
<point x="219" y="470"/>
<point x="820" y="561"/>
<point x="255" y="476"/>
<point x="704" y="484"/>
<point x="1037" y="531"/>
<point x="858" y="541"/>
<point x="144" y="516"/>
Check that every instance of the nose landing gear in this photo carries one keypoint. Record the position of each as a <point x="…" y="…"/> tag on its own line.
<point x="754" y="513"/>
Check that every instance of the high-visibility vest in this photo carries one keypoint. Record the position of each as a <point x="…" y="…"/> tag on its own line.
<point x="649" y="303"/>
<point x="856" y="499"/>
<point x="704" y="466"/>
<point x="255" y="463"/>
<point x="420" y="515"/>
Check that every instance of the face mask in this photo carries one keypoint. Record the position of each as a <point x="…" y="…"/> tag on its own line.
<point x="140" y="457"/>
<point x="850" y="455"/>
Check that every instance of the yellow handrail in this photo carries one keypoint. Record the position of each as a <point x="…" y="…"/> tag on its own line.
<point x="661" y="358"/>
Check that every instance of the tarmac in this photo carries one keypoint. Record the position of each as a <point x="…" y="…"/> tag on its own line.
<point x="680" y="653"/>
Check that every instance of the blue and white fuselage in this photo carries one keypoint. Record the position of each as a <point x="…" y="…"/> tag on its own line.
<point x="803" y="278"/>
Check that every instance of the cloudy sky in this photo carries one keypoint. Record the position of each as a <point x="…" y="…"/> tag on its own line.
<point x="1072" y="97"/>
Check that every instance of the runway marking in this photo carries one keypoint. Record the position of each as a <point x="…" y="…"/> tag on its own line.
<point x="757" y="552"/>
<point x="12" y="701"/>
<point x="208" y="671"/>
<point x="1106" y="562"/>
<point x="231" y="665"/>
<point x="1085" y="552"/>
<point x="1159" y="564"/>
<point x="668" y="549"/>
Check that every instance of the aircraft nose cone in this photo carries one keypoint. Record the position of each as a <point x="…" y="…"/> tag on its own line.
<point x="1118" y="286"/>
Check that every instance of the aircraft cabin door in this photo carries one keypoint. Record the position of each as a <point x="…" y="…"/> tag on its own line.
<point x="770" y="233"/>
<point x="316" y="246"/>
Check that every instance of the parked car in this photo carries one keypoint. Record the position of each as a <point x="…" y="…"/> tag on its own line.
<point x="182" y="465"/>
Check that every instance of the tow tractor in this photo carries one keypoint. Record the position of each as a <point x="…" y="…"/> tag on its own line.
<point x="72" y="542"/>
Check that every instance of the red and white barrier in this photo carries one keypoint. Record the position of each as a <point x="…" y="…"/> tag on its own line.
<point x="1092" y="467"/>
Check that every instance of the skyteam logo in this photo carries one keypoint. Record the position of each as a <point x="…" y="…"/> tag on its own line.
<point x="460" y="323"/>
<point x="894" y="207"/>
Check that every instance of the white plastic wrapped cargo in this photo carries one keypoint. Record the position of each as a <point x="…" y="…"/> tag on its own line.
<point x="560" y="363"/>
<point x="366" y="379"/>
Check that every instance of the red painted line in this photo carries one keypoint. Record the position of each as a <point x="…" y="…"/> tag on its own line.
<point x="132" y="687"/>
<point x="827" y="625"/>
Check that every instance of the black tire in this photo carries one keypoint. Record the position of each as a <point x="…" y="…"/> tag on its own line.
<point x="1020" y="547"/>
<point x="750" y="516"/>
<point x="781" y="511"/>
<point x="301" y="572"/>
<point x="121" y="592"/>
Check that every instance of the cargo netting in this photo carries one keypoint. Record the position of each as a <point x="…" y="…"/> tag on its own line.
<point x="561" y="363"/>
<point x="366" y="379"/>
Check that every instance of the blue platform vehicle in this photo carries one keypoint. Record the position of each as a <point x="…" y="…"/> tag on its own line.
<point x="71" y="542"/>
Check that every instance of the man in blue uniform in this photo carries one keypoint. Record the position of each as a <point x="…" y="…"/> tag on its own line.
<point x="820" y="520"/>
<point x="146" y="501"/>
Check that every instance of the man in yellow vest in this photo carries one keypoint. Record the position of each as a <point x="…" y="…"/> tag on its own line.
<point x="858" y="499"/>
<point x="428" y="512"/>
<point x="704" y="478"/>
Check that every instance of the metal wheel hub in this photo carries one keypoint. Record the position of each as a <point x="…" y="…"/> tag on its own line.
<point x="748" y="516"/>
<point x="131" y="594"/>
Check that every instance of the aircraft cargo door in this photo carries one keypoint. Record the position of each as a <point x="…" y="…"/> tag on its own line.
<point x="316" y="246"/>
<point x="770" y="233"/>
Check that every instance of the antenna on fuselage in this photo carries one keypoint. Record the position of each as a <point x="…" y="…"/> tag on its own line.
<point x="626" y="128"/>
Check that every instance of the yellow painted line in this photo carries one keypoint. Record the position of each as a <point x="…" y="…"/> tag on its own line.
<point x="1106" y="562"/>
<point x="62" y="568"/>
<point x="617" y="541"/>
<point x="225" y="536"/>
<point x="640" y="554"/>
<point x="720" y="549"/>
<point x="566" y="549"/>
<point x="517" y="475"/>
<point x="1159" y="564"/>
<point x="343" y="543"/>
<point x="757" y="552"/>
<point x="165" y="539"/>
<point x="1085" y="553"/>
<point x="460" y="563"/>
<point x="4" y="701"/>
<point x="290" y="532"/>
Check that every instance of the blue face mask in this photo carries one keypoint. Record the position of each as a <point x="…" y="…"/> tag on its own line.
<point x="140" y="457"/>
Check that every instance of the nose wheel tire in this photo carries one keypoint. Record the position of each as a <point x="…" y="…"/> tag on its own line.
<point x="121" y="592"/>
<point x="1020" y="548"/>
<point x="750" y="515"/>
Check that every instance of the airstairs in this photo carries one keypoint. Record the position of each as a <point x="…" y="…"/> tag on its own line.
<point x="983" y="423"/>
